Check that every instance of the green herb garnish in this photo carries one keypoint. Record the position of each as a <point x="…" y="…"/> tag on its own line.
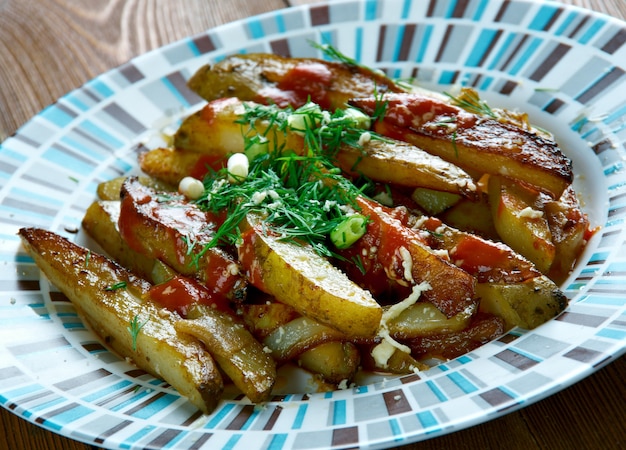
<point x="116" y="286"/>
<point x="134" y="328"/>
<point x="469" y="100"/>
<point x="301" y="197"/>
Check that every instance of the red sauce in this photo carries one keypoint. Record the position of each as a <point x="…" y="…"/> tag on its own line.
<point x="206" y="164"/>
<point x="181" y="293"/>
<point x="306" y="80"/>
<point x="216" y="108"/>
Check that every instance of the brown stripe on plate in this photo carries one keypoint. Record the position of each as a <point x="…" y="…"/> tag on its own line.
<point x="67" y="407"/>
<point x="25" y="139"/>
<point x="382" y="34"/>
<point x="19" y="285"/>
<point x="92" y="347"/>
<point x="586" y="320"/>
<point x="164" y="438"/>
<point x="320" y="15"/>
<point x="241" y="418"/>
<point x="117" y="395"/>
<point x="602" y="145"/>
<point x="553" y="19"/>
<point x="508" y="87"/>
<point x="131" y="73"/>
<point x="495" y="397"/>
<point x="517" y="48"/>
<point x="407" y="40"/>
<point x="345" y="436"/>
<point x="410" y="378"/>
<point x="584" y="355"/>
<point x="123" y="118"/>
<point x="548" y="64"/>
<point x="460" y="8"/>
<point x="146" y="402"/>
<point x="396" y="402"/>
<point x="204" y="44"/>
<point x="113" y="430"/>
<point x="580" y="25"/>
<point x="273" y="418"/>
<point x="180" y="83"/>
<point x="444" y="43"/>
<point x="615" y="43"/>
<point x="515" y="359"/>
<point x="71" y="383"/>
<point x="280" y="47"/>
<point x="616" y="211"/>
<point x="612" y="76"/>
<point x="554" y="106"/>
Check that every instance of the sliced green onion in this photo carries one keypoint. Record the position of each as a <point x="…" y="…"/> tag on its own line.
<point x="349" y="231"/>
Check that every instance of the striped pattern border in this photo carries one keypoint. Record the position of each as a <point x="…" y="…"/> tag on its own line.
<point x="563" y="65"/>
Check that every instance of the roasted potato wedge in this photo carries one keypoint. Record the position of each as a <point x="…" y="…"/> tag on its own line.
<point x="234" y="348"/>
<point x="100" y="222"/>
<point x="110" y="189"/>
<point x="526" y="304"/>
<point x="168" y="227"/>
<point x="473" y="142"/>
<point x="520" y="221"/>
<point x="110" y="299"/>
<point x="269" y="78"/>
<point x="296" y="275"/>
<point x="216" y="131"/>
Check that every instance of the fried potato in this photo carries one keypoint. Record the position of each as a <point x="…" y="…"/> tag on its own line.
<point x="92" y="283"/>
<point x="526" y="304"/>
<point x="294" y="274"/>
<point x="471" y="141"/>
<point x="520" y="221"/>
<point x="169" y="228"/>
<point x="234" y="348"/>
<point x="269" y="78"/>
<point x="100" y="222"/>
<point x="110" y="189"/>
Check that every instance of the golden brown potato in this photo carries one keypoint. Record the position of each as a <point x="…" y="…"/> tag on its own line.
<point x="238" y="354"/>
<point x="294" y="274"/>
<point x="526" y="304"/>
<point x="471" y="141"/>
<point x="110" y="299"/>
<point x="169" y="228"/>
<point x="100" y="222"/>
<point x="520" y="221"/>
<point x="268" y="78"/>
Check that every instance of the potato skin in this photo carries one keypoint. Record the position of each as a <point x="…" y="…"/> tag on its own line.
<point x="86" y="278"/>
<point x="299" y="277"/>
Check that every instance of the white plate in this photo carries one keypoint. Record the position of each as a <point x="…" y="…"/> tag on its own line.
<point x="565" y="66"/>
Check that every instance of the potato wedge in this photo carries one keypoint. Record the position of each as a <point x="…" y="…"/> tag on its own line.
<point x="89" y="280"/>
<point x="169" y="166"/>
<point x="508" y="285"/>
<point x="473" y="142"/>
<point x="334" y="361"/>
<point x="526" y="304"/>
<point x="569" y="228"/>
<point x="294" y="274"/>
<point x="168" y="227"/>
<point x="215" y="132"/>
<point x="100" y="222"/>
<point x="110" y="189"/>
<point x="238" y="354"/>
<point x="521" y="222"/>
<point x="269" y="78"/>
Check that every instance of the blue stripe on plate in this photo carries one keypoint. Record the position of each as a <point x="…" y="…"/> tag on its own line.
<point x="463" y="383"/>
<point x="299" y="419"/>
<point x="482" y="45"/>
<point x="435" y="390"/>
<point x="612" y="333"/>
<point x="277" y="441"/>
<point x="371" y="10"/>
<point x="543" y="17"/>
<point x="68" y="416"/>
<point x="591" y="31"/>
<point x="428" y="420"/>
<point x="137" y="436"/>
<point x="56" y="115"/>
<point x="339" y="412"/>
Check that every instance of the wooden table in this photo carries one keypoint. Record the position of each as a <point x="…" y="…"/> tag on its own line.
<point x="49" y="47"/>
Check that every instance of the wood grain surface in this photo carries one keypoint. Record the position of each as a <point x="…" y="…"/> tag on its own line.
<point x="49" y="47"/>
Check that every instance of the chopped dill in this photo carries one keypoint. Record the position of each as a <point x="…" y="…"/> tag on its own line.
<point x="116" y="286"/>
<point x="469" y="100"/>
<point x="302" y="197"/>
<point x="134" y="328"/>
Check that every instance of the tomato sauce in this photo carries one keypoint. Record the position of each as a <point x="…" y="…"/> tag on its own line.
<point x="180" y="293"/>
<point x="308" y="80"/>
